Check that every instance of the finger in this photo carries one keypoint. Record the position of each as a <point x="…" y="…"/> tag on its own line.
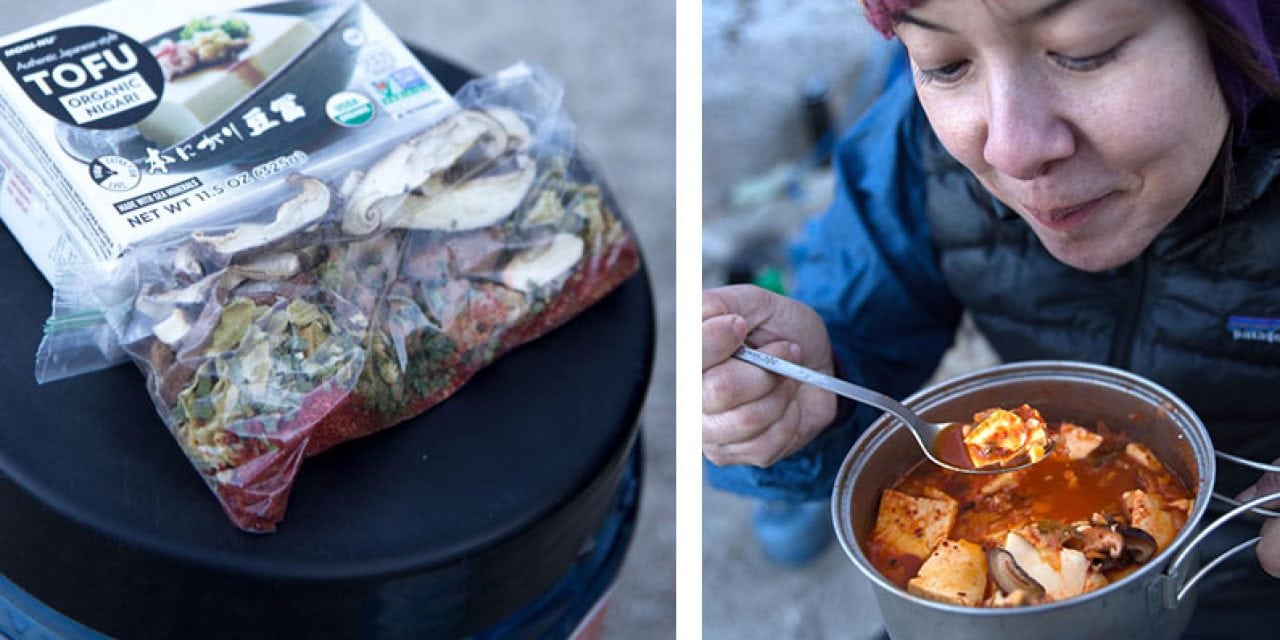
<point x="748" y="421"/>
<point x="1269" y="547"/>
<point x="733" y="383"/>
<point x="716" y="302"/>
<point x="1268" y="483"/>
<point x="754" y="305"/>
<point x="763" y="451"/>
<point x="740" y="299"/>
<point x="771" y="317"/>
<point x="721" y="336"/>
<point x="798" y="437"/>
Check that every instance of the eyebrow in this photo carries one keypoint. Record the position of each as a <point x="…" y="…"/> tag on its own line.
<point x="1035" y="16"/>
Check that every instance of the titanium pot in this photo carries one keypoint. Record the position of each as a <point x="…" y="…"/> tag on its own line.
<point x="1154" y="602"/>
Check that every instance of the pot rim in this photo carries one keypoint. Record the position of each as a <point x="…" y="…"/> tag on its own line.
<point x="882" y="429"/>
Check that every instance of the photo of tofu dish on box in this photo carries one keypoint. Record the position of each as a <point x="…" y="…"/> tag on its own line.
<point x="216" y="62"/>
<point x="1094" y="510"/>
<point x="217" y="68"/>
<point x="204" y="42"/>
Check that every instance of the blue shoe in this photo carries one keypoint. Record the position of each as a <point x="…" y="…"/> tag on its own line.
<point x="793" y="534"/>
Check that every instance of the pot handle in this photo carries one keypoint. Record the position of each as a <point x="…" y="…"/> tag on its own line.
<point x="1261" y="466"/>
<point x="1226" y="457"/>
<point x="1173" y="594"/>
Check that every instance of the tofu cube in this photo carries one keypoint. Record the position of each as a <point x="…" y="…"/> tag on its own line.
<point x="1002" y="481"/>
<point x="1003" y="436"/>
<point x="1062" y="572"/>
<point x="955" y="573"/>
<point x="1142" y="456"/>
<point x="913" y="526"/>
<point x="1079" y="442"/>
<point x="1150" y="513"/>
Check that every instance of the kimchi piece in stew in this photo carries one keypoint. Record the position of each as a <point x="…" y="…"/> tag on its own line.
<point x="1094" y="510"/>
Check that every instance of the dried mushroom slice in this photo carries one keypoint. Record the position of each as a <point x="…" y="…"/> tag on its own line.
<point x="186" y="266"/>
<point x="311" y="203"/>
<point x="537" y="267"/>
<point x="465" y="143"/>
<point x="272" y="266"/>
<point x="1010" y="577"/>
<point x="172" y="329"/>
<point x="160" y="304"/>
<point x="515" y="127"/>
<point x="474" y="204"/>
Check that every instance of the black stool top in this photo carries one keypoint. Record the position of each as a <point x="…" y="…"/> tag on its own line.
<point x="459" y="516"/>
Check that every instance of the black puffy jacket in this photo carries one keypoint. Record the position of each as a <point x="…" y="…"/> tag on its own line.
<point x="1198" y="311"/>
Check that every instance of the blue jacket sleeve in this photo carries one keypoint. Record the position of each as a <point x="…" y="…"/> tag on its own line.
<point x="869" y="268"/>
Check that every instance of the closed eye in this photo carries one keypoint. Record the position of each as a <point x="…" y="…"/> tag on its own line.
<point x="945" y="74"/>
<point x="1086" y="63"/>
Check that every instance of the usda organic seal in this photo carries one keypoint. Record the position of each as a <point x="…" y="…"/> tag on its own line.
<point x="349" y="109"/>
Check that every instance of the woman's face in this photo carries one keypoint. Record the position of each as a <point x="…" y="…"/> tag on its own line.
<point x="1095" y="120"/>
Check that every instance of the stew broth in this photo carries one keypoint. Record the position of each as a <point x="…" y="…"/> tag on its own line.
<point x="1058" y="493"/>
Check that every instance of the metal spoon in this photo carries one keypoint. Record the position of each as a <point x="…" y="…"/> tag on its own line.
<point x="926" y="433"/>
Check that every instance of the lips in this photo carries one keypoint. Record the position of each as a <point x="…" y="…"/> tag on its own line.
<point x="1066" y="217"/>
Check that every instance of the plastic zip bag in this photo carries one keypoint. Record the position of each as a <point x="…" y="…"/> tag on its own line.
<point x="78" y="337"/>
<point x="369" y="291"/>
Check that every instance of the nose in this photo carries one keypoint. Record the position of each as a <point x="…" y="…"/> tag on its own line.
<point x="1026" y="132"/>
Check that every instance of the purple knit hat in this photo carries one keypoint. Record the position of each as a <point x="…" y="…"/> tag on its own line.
<point x="1257" y="20"/>
<point x="881" y="13"/>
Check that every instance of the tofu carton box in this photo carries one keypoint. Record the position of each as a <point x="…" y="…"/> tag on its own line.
<point x="132" y="118"/>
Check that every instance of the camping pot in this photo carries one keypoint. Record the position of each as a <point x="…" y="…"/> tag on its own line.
<point x="1155" y="601"/>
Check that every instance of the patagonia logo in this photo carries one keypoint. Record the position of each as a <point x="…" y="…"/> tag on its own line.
<point x="1254" y="329"/>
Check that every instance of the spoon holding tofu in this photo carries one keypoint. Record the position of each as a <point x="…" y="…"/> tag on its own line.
<point x="1001" y="441"/>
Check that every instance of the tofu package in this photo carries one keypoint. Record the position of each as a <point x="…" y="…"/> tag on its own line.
<point x="292" y="262"/>
<point x="130" y="119"/>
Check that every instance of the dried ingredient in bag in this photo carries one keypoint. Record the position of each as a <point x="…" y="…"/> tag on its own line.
<point x="361" y="302"/>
